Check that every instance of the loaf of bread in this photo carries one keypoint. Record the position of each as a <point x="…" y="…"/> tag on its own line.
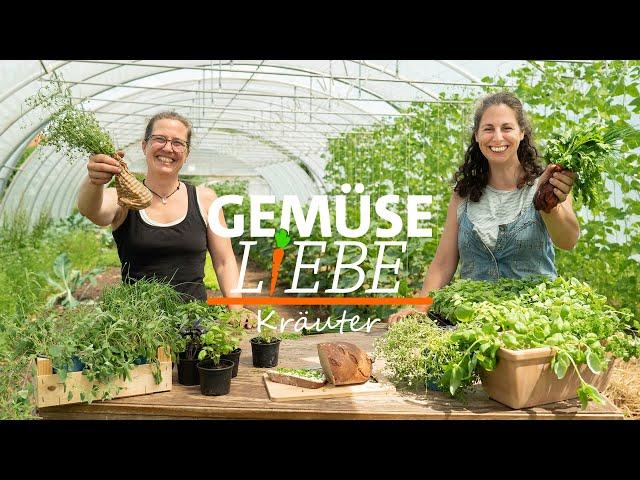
<point x="344" y="363"/>
<point x="298" y="378"/>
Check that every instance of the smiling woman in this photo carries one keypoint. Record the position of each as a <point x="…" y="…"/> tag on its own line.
<point x="492" y="228"/>
<point x="169" y="239"/>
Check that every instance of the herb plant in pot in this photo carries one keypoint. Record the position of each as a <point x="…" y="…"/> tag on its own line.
<point x="192" y="322"/>
<point x="231" y="321"/>
<point x="266" y="346"/>
<point x="215" y="373"/>
<point x="188" y="360"/>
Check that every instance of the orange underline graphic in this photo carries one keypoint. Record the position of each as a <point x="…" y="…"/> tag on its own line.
<point x="319" y="301"/>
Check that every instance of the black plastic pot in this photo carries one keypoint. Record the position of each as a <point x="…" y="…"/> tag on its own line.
<point x="215" y="380"/>
<point x="188" y="373"/>
<point x="265" y="355"/>
<point x="75" y="365"/>
<point x="234" y="356"/>
<point x="433" y="386"/>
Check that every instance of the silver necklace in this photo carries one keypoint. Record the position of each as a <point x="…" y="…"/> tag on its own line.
<point x="164" y="199"/>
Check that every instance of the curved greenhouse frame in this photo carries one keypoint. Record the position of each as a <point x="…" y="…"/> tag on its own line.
<point x="264" y="120"/>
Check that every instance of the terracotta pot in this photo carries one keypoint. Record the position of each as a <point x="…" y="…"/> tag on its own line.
<point x="524" y="378"/>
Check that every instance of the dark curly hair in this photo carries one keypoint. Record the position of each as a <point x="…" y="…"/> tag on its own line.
<point x="473" y="175"/>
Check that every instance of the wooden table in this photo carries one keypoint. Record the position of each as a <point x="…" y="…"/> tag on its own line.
<point x="248" y="398"/>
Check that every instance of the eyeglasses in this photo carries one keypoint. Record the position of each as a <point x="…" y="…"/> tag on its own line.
<point x="159" y="141"/>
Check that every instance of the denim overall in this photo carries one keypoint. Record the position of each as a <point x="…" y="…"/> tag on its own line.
<point x="523" y="248"/>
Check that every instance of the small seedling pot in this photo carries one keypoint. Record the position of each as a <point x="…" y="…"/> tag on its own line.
<point x="188" y="373"/>
<point x="215" y="380"/>
<point x="234" y="356"/>
<point x="433" y="386"/>
<point x="265" y="355"/>
<point x="140" y="360"/>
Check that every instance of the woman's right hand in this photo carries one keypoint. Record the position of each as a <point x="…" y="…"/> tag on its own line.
<point x="396" y="317"/>
<point x="102" y="168"/>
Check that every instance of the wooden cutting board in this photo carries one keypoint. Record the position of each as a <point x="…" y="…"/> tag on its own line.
<point x="279" y="392"/>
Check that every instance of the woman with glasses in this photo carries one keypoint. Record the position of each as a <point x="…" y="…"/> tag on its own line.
<point x="169" y="239"/>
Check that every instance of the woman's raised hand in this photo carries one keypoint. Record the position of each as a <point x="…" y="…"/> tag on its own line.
<point x="102" y="168"/>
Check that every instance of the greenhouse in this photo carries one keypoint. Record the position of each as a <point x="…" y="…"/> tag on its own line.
<point x="345" y="171"/>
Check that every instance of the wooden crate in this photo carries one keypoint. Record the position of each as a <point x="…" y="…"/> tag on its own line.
<point x="51" y="391"/>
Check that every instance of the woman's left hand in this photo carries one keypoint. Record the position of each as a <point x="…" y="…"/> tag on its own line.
<point x="561" y="181"/>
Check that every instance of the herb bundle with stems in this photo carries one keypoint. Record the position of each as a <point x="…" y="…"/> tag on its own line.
<point x="585" y="151"/>
<point x="71" y="128"/>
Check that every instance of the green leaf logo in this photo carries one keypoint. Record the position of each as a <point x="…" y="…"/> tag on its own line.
<point x="282" y="238"/>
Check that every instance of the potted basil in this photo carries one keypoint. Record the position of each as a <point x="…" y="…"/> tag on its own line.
<point x="215" y="373"/>
<point x="192" y="323"/>
<point x="187" y="361"/>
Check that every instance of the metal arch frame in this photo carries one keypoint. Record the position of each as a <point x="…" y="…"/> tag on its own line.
<point x="303" y="71"/>
<point x="460" y="70"/>
<point x="338" y="100"/>
<point x="399" y="77"/>
<point x="76" y="174"/>
<point x="171" y="69"/>
<point x="300" y="157"/>
<point x="317" y="180"/>
<point x="322" y="76"/>
<point x="74" y="171"/>
<point x="14" y="156"/>
<point x="259" y="82"/>
<point x="13" y="159"/>
<point x="141" y="112"/>
<point x="12" y="186"/>
<point x="264" y="140"/>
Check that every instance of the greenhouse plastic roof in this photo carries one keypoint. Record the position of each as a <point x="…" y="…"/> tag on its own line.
<point x="263" y="119"/>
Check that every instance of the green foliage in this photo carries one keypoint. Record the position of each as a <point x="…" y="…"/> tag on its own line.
<point x="217" y="341"/>
<point x="129" y="322"/>
<point x="290" y="335"/>
<point x="67" y="280"/>
<point x="23" y="158"/>
<point x="416" y="352"/>
<point x="71" y="129"/>
<point x="232" y="322"/>
<point x="192" y="319"/>
<point x="567" y="315"/>
<point x="28" y="254"/>
<point x="584" y="150"/>
<point x="313" y="373"/>
<point x="418" y="154"/>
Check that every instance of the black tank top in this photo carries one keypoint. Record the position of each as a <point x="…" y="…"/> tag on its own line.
<point x="175" y="254"/>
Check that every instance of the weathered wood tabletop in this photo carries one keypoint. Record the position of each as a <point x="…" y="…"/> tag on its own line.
<point x="248" y="398"/>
